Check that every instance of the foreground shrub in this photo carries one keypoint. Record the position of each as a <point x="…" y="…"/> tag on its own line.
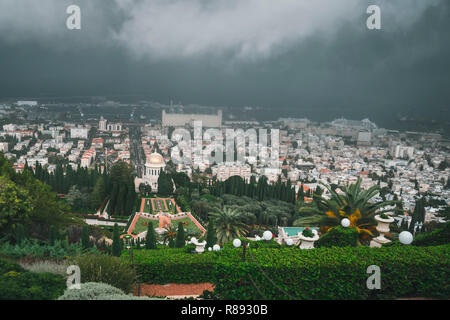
<point x="18" y="284"/>
<point x="32" y="248"/>
<point x="90" y="291"/>
<point x="106" y="269"/>
<point x="323" y="273"/>
<point x="6" y="266"/>
<point x="98" y="291"/>
<point x="46" y="266"/>
<point x="339" y="237"/>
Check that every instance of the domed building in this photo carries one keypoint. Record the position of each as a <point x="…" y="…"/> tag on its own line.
<point x="153" y="166"/>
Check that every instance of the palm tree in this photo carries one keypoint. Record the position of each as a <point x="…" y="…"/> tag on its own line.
<point x="169" y="234"/>
<point x="354" y="204"/>
<point x="229" y="224"/>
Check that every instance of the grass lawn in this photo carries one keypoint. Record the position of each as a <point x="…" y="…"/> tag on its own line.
<point x="142" y="225"/>
<point x="190" y="223"/>
<point x="148" y="207"/>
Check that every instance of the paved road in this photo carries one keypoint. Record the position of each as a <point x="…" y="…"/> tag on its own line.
<point x="136" y="151"/>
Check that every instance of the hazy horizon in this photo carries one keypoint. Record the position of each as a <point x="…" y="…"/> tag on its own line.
<point x="313" y="60"/>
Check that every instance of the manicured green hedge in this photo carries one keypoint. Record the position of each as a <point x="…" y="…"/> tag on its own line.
<point x="324" y="273"/>
<point x="434" y="238"/>
<point x="255" y="244"/>
<point x="18" y="284"/>
<point x="335" y="273"/>
<point x="163" y="266"/>
<point x="338" y="237"/>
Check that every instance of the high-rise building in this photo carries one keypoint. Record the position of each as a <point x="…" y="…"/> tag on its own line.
<point x="182" y="119"/>
<point x="102" y="124"/>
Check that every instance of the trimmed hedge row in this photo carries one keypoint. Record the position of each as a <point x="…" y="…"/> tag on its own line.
<point x="338" y="237"/>
<point x="163" y="266"/>
<point x="324" y="273"/>
<point x="434" y="238"/>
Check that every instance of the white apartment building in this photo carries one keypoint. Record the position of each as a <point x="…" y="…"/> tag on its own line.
<point x="102" y="124"/>
<point x="78" y="133"/>
<point x="27" y="103"/>
<point x="114" y="127"/>
<point x="225" y="171"/>
<point x="3" y="146"/>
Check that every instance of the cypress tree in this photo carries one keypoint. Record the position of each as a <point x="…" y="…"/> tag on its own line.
<point x="138" y="243"/>
<point x="65" y="242"/>
<point x="301" y="194"/>
<point x="117" y="243"/>
<point x="19" y="234"/>
<point x="211" y="238"/>
<point x="130" y="198"/>
<point x="52" y="236"/>
<point x="113" y="199"/>
<point x="119" y="209"/>
<point x="150" y="239"/>
<point x="180" y="241"/>
<point x="85" y="242"/>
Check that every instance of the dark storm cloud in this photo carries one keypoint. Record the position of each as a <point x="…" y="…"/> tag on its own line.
<point x="315" y="57"/>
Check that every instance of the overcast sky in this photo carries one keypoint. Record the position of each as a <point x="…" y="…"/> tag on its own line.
<point x="299" y="54"/>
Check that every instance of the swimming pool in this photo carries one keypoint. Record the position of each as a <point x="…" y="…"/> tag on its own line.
<point x="293" y="231"/>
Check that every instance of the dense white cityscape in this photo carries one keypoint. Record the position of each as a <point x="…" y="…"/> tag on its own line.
<point x="405" y="165"/>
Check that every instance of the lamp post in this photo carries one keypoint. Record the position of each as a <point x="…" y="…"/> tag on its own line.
<point x="130" y="248"/>
<point x="237" y="243"/>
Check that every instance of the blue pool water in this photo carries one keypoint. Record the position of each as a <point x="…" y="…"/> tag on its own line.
<point x="293" y="231"/>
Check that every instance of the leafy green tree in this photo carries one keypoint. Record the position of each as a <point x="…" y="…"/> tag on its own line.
<point x="53" y="236"/>
<point x="117" y="243"/>
<point x="180" y="240"/>
<point x="16" y="205"/>
<point x="85" y="241"/>
<point x="165" y="185"/>
<point x="150" y="239"/>
<point x="130" y="199"/>
<point x="98" y="194"/>
<point x="19" y="233"/>
<point x="120" y="203"/>
<point x="74" y="198"/>
<point x="445" y="213"/>
<point x="229" y="224"/>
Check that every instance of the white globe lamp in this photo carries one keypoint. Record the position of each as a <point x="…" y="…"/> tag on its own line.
<point x="216" y="247"/>
<point x="209" y="249"/>
<point x="289" y="242"/>
<point x="236" y="243"/>
<point x="345" y="223"/>
<point x="405" y="237"/>
<point x="267" y="235"/>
